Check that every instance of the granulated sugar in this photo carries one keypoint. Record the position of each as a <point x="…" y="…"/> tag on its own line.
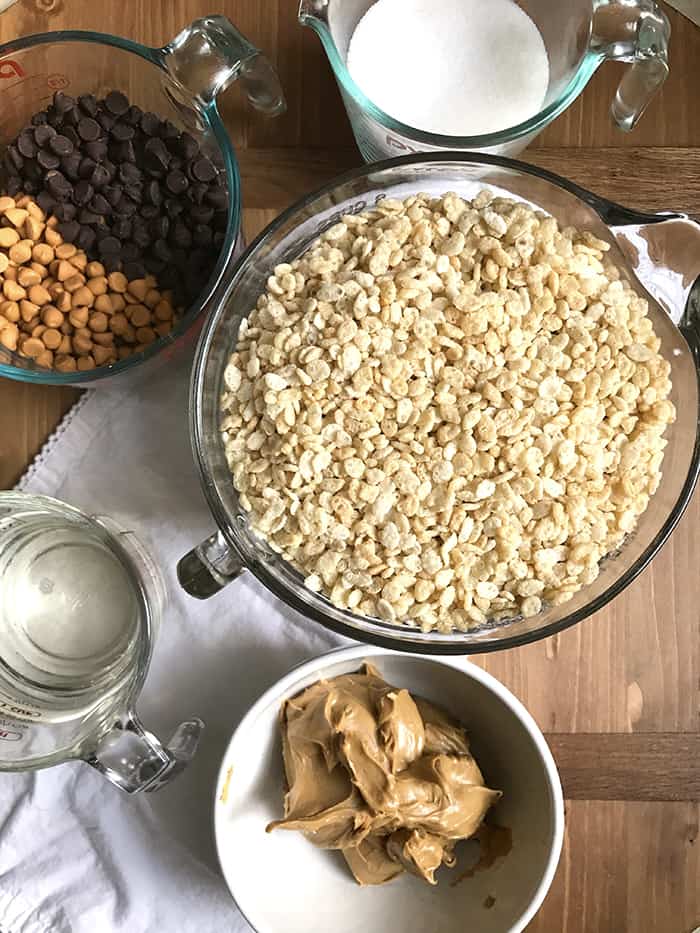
<point x="458" y="67"/>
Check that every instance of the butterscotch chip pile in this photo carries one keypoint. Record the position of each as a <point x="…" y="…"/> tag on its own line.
<point x="447" y="412"/>
<point x="63" y="311"/>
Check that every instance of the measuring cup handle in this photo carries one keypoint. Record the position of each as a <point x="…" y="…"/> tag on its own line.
<point x="135" y="760"/>
<point x="211" y="53"/>
<point x="635" y="31"/>
<point x="208" y="568"/>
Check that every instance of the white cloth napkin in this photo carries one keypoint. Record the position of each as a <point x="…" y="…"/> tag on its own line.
<point x="76" y="854"/>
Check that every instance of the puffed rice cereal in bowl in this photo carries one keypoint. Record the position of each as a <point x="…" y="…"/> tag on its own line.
<point x="447" y="412"/>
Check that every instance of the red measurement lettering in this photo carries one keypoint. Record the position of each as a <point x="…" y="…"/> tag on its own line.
<point x="10" y="69"/>
<point x="10" y="736"/>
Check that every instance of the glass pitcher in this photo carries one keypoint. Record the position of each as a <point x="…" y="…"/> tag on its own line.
<point x="579" y="35"/>
<point x="80" y="602"/>
<point x="180" y="82"/>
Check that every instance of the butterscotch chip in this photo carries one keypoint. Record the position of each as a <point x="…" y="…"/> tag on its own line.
<point x="52" y="338"/>
<point x="117" y="281"/>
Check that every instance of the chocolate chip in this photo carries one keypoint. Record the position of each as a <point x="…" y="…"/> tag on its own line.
<point x="15" y="158"/>
<point x="126" y="207"/>
<point x="129" y="174"/>
<point x="26" y="144"/>
<point x="71" y="134"/>
<point x="71" y="119"/>
<point x="111" y="170"/>
<point x="173" y="208"/>
<point x="202" y="235"/>
<point x="203" y="169"/>
<point x="31" y="187"/>
<point x="133" y="116"/>
<point x="159" y="228"/>
<point x="176" y="182"/>
<point x="65" y="211"/>
<point x="88" y="104"/>
<point x="58" y="185"/>
<point x="149" y="211"/>
<point x="89" y="129"/>
<point x="117" y="103"/>
<point x="47" y="160"/>
<point x="86" y="238"/>
<point x="100" y="205"/>
<point x="135" y="192"/>
<point x="69" y="230"/>
<point x="45" y="202"/>
<point x="113" y="193"/>
<point x="122" y="132"/>
<point x="157" y="151"/>
<point x="150" y="123"/>
<point x="40" y="119"/>
<point x="87" y="167"/>
<point x="134" y="270"/>
<point x="106" y="120"/>
<point x="70" y="165"/>
<point x="168" y="130"/>
<point x="152" y="193"/>
<point x="112" y="262"/>
<point x="122" y="228"/>
<point x="141" y="236"/>
<point x="198" y="192"/>
<point x="181" y="235"/>
<point x="188" y="146"/>
<point x="201" y="214"/>
<point x="100" y="176"/>
<point x="53" y="117"/>
<point x="124" y="152"/>
<point x="161" y="250"/>
<point x="130" y="252"/>
<point x="110" y="244"/>
<point x="61" y="145"/>
<point x="82" y="193"/>
<point x="86" y="216"/>
<point x="13" y="185"/>
<point x="97" y="150"/>
<point x="62" y="102"/>
<point x="42" y="134"/>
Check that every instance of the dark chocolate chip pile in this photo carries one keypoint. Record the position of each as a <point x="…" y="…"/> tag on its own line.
<point x="128" y="187"/>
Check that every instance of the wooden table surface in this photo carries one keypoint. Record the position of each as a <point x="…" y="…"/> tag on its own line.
<point x="618" y="695"/>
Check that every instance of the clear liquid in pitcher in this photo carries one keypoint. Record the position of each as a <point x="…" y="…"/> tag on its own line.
<point x="70" y="621"/>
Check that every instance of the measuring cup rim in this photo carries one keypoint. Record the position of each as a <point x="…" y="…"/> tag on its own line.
<point x="590" y="61"/>
<point x="210" y="113"/>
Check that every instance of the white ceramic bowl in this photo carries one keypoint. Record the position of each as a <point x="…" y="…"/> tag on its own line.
<point x="283" y="884"/>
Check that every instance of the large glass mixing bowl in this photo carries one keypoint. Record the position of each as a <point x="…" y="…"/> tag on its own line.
<point x="659" y="252"/>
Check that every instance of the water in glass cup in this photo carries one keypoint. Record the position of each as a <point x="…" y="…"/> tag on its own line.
<point x="72" y="614"/>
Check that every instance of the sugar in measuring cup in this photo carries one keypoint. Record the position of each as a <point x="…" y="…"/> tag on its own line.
<point x="575" y="37"/>
<point x="80" y="602"/>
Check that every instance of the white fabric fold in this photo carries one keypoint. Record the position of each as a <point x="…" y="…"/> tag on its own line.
<point x="76" y="854"/>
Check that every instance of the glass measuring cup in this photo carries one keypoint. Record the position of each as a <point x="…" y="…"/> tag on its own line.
<point x="579" y="35"/>
<point x="180" y="82"/>
<point x="79" y="608"/>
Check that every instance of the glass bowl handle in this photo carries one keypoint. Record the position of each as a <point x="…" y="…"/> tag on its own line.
<point x="635" y="31"/>
<point x="136" y="761"/>
<point x="211" y="53"/>
<point x="209" y="567"/>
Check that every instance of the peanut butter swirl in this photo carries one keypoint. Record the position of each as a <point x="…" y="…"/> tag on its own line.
<point x="384" y="777"/>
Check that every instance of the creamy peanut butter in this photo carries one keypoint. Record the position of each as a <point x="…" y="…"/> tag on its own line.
<point x="384" y="777"/>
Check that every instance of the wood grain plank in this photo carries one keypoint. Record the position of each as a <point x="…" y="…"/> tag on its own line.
<point x="625" y="868"/>
<point x="277" y="177"/>
<point x="638" y="767"/>
<point x="28" y="414"/>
